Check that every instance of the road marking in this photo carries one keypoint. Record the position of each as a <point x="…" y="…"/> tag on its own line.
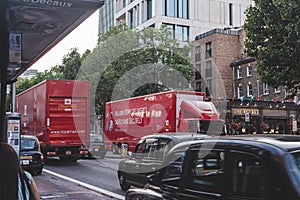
<point x="100" y="190"/>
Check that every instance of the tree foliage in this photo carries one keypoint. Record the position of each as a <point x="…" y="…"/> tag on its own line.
<point x="66" y="71"/>
<point x="273" y="38"/>
<point x="130" y="63"/>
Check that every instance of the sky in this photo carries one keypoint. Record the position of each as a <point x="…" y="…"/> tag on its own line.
<point x="87" y="32"/>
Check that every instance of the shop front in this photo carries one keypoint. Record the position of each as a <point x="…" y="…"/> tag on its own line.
<point x="245" y="120"/>
<point x="274" y="122"/>
<point x="263" y="117"/>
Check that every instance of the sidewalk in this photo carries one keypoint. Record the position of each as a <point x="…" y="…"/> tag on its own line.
<point x="110" y="154"/>
<point x="53" y="187"/>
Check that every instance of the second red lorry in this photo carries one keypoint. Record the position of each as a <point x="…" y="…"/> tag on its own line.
<point x="126" y="121"/>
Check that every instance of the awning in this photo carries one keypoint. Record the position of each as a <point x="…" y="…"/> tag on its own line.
<point x="35" y="26"/>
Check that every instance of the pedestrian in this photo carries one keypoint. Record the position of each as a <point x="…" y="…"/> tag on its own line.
<point x="15" y="183"/>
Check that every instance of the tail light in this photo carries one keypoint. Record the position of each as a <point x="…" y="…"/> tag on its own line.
<point x="42" y="158"/>
<point x="51" y="153"/>
<point x="83" y="150"/>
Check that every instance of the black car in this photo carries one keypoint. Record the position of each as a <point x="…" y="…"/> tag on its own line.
<point x="148" y="157"/>
<point x="31" y="158"/>
<point x="241" y="167"/>
<point x="97" y="147"/>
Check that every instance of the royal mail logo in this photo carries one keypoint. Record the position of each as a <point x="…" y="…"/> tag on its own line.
<point x="49" y="3"/>
<point x="67" y="106"/>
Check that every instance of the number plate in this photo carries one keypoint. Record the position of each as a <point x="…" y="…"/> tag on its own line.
<point x="96" y="149"/>
<point x="68" y="152"/>
<point x="25" y="162"/>
<point x="25" y="157"/>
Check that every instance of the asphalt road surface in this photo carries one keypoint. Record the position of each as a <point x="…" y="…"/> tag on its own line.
<point x="98" y="173"/>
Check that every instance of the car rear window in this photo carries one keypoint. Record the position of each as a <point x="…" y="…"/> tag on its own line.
<point x="29" y="144"/>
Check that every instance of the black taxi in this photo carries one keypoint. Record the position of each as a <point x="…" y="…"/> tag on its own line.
<point x="31" y="158"/>
<point x="148" y="157"/>
<point x="241" y="167"/>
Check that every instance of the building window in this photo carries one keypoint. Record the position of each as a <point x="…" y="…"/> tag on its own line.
<point x="249" y="90"/>
<point x="240" y="91"/>
<point x="239" y="73"/>
<point x="249" y="70"/>
<point x="230" y="14"/>
<point x="208" y="69"/>
<point x="277" y="90"/>
<point x="265" y="88"/>
<point x="198" y="86"/>
<point x="198" y="72"/>
<point x="181" y="33"/>
<point x="208" y="50"/>
<point x="175" y="8"/>
<point x="197" y="53"/>
<point x="150" y="9"/>
<point x="120" y="4"/>
<point x="131" y="23"/>
<point x="209" y="85"/>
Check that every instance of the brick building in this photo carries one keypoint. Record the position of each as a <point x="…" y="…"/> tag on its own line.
<point x="232" y="79"/>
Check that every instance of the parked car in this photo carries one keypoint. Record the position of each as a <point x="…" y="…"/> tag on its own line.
<point x="31" y="158"/>
<point x="240" y="167"/>
<point x="96" y="147"/>
<point x="148" y="157"/>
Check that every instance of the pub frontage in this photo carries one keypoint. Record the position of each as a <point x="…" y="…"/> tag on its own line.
<point x="262" y="117"/>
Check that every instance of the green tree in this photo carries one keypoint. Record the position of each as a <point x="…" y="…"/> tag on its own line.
<point x="71" y="64"/>
<point x="272" y="37"/>
<point x="66" y="71"/>
<point x="129" y="63"/>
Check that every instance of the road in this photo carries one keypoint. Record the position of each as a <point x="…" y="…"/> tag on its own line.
<point x="101" y="173"/>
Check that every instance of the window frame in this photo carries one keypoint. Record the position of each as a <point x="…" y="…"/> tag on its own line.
<point x="242" y="155"/>
<point x="197" y="53"/>
<point x="266" y="89"/>
<point x="208" y="50"/>
<point x="249" y="90"/>
<point x="239" y="73"/>
<point x="211" y="181"/>
<point x="249" y="70"/>
<point x="240" y="92"/>
<point x="198" y="72"/>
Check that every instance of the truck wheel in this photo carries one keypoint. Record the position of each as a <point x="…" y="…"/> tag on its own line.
<point x="123" y="183"/>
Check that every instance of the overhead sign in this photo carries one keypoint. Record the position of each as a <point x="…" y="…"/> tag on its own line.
<point x="35" y="26"/>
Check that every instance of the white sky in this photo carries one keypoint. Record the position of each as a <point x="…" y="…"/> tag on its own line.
<point x="84" y="37"/>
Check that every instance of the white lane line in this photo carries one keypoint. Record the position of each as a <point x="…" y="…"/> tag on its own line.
<point x="106" y="192"/>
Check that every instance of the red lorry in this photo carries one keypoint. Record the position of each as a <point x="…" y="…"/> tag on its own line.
<point x="126" y="121"/>
<point x="57" y="112"/>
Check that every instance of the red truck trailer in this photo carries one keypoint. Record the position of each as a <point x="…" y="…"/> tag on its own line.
<point x="57" y="112"/>
<point x="126" y="121"/>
